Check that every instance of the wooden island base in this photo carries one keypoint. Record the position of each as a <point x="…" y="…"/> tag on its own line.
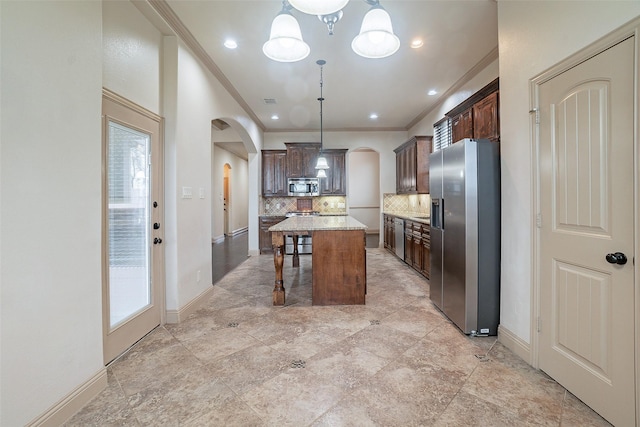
<point x="339" y="274"/>
<point x="339" y="267"/>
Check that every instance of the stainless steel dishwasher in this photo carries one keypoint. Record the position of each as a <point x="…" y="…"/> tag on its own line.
<point x="399" y="226"/>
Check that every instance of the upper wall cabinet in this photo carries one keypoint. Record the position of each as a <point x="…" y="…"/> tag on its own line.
<point x="412" y="166"/>
<point x="274" y="173"/>
<point x="301" y="159"/>
<point x="335" y="183"/>
<point x="478" y="116"/>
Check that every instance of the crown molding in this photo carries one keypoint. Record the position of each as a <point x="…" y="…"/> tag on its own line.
<point x="164" y="10"/>
<point x="481" y="65"/>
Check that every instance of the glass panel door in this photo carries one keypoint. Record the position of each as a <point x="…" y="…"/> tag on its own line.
<point x="132" y="229"/>
<point x="128" y="222"/>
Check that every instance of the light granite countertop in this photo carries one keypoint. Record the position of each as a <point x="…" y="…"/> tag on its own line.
<point x="318" y="223"/>
<point x="411" y="216"/>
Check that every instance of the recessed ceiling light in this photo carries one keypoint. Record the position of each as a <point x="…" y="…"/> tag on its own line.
<point x="230" y="44"/>
<point x="432" y="92"/>
<point x="416" y="43"/>
<point x="373" y="116"/>
<point x="275" y="117"/>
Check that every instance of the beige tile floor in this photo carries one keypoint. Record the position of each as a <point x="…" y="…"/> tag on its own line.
<point x="397" y="361"/>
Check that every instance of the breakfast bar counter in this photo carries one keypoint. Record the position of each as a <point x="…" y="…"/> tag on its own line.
<point x="338" y="258"/>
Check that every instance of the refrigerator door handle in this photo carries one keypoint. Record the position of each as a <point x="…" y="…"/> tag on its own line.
<point x="442" y="214"/>
<point x="435" y="213"/>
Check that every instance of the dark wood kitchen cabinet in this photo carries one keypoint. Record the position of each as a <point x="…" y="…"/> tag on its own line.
<point x="462" y="126"/>
<point x="485" y="118"/>
<point x="412" y="166"/>
<point x="426" y="250"/>
<point x="335" y="183"/>
<point x="264" y="234"/>
<point x="417" y="246"/>
<point x="301" y="159"/>
<point x="478" y="116"/>
<point x="408" y="242"/>
<point x="274" y="173"/>
<point x="389" y="232"/>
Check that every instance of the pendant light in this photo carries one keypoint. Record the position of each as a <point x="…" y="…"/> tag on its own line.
<point x="285" y="41"/>
<point x="322" y="164"/>
<point x="376" y="38"/>
<point x="318" y="7"/>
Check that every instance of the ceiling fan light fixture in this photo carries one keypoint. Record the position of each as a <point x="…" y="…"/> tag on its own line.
<point x="376" y="38"/>
<point x="285" y="41"/>
<point x="318" y="7"/>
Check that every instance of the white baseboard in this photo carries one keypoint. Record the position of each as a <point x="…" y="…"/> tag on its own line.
<point x="73" y="402"/>
<point x="177" y="316"/>
<point x="238" y="231"/>
<point x="514" y="343"/>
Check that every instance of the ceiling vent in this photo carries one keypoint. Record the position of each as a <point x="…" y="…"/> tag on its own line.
<point x="270" y="101"/>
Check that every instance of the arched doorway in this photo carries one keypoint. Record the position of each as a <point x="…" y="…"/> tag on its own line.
<point x="364" y="192"/>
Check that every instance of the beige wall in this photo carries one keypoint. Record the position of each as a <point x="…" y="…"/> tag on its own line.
<point x="56" y="57"/>
<point x="533" y="36"/>
<point x="50" y="193"/>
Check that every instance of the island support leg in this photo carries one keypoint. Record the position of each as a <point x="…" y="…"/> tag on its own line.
<point x="277" y="240"/>
<point x="296" y="253"/>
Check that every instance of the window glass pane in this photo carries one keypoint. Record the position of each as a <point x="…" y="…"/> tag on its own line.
<point x="128" y="222"/>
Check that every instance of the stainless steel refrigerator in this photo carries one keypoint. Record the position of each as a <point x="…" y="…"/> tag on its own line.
<point x="464" y="180"/>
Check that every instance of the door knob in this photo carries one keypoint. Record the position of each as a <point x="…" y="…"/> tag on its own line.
<point x="156" y="225"/>
<point x="157" y="241"/>
<point x="617" y="258"/>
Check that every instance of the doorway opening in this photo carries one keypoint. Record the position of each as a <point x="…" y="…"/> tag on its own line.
<point x="364" y="192"/>
<point x="226" y="201"/>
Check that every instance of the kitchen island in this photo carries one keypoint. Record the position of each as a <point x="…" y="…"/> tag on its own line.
<point x="338" y="258"/>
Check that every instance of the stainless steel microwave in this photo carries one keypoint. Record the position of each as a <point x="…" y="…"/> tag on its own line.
<point x="303" y="187"/>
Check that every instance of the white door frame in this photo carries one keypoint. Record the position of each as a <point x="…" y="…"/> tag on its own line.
<point x="624" y="32"/>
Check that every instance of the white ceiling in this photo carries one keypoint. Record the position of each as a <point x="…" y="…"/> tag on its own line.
<point x="457" y="34"/>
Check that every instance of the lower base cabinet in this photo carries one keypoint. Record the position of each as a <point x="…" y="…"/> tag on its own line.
<point x="417" y="249"/>
<point x="265" y="235"/>
<point x="417" y="243"/>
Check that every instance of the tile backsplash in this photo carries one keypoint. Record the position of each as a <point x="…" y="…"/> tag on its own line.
<point x="411" y="203"/>
<point x="408" y="203"/>
<point x="322" y="204"/>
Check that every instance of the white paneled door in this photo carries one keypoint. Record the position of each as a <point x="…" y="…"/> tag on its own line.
<point x="586" y="193"/>
<point x="132" y="224"/>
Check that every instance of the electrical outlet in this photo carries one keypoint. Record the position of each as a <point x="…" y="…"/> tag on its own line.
<point x="266" y="206"/>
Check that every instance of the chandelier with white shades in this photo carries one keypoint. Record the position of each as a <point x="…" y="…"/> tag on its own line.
<point x="375" y="40"/>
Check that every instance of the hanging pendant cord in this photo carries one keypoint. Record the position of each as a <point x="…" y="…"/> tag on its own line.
<point x="321" y="62"/>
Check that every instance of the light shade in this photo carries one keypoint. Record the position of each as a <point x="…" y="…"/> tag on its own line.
<point x="376" y="38"/>
<point x="285" y="42"/>
<point x="318" y="7"/>
<point x="322" y="163"/>
<point x="321" y="174"/>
